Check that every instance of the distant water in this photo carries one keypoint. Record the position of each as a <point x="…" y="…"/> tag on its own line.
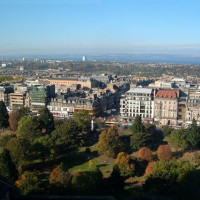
<point x="143" y="58"/>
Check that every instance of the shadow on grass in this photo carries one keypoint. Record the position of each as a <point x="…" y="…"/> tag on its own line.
<point x="102" y="165"/>
<point x="70" y="159"/>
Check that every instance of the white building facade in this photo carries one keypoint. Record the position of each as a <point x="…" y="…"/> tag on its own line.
<point x="137" y="101"/>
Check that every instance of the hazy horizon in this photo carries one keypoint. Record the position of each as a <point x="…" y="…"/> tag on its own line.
<point x="99" y="27"/>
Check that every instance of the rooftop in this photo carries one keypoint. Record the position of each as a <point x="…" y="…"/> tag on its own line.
<point x="140" y="90"/>
<point x="172" y="94"/>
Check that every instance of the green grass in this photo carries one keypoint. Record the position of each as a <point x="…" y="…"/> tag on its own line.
<point x="80" y="159"/>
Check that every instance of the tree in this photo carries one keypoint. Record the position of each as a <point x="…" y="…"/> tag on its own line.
<point x="149" y="168"/>
<point x="24" y="111"/>
<point x="14" y="118"/>
<point x="60" y="178"/>
<point x="145" y="154"/>
<point x="116" y="182"/>
<point x="19" y="149"/>
<point x="91" y="163"/>
<point x="126" y="164"/>
<point x="29" y="183"/>
<point x="7" y="167"/>
<point x="164" y="153"/>
<point x="167" y="130"/>
<point x="165" y="177"/>
<point x="83" y="119"/>
<point x="110" y="144"/>
<point x="87" y="182"/>
<point x="3" y="115"/>
<point x="139" y="140"/>
<point x="65" y="134"/>
<point x="138" y="125"/>
<point x="4" y="139"/>
<point x="193" y="135"/>
<point x="39" y="151"/>
<point x="155" y="136"/>
<point x="143" y="135"/>
<point x="46" y="120"/>
<point x="29" y="128"/>
<point x="178" y="139"/>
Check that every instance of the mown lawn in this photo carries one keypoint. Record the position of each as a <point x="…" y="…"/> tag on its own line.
<point x="79" y="160"/>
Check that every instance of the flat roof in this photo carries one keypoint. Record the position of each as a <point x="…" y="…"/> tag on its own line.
<point x="140" y="90"/>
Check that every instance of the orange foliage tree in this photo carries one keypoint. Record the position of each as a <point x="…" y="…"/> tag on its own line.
<point x="145" y="154"/>
<point x="126" y="164"/>
<point x="59" y="177"/>
<point x="14" y="118"/>
<point x="164" y="152"/>
<point x="149" y="168"/>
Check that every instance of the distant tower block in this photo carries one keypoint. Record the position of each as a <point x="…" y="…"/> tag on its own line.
<point x="83" y="58"/>
<point x="23" y="59"/>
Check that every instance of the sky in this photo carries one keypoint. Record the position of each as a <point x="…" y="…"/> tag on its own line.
<point x="99" y="27"/>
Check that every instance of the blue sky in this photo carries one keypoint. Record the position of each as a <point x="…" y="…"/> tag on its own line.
<point x="99" y="26"/>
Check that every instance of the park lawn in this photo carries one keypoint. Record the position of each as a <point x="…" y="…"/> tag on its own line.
<point x="80" y="159"/>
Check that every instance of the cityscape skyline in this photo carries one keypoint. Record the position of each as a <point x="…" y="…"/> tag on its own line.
<point x="96" y="27"/>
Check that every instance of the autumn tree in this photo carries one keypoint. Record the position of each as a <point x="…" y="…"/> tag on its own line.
<point x="83" y="119"/>
<point x="149" y="168"/>
<point x="3" y="115"/>
<point x="126" y="164"/>
<point x="29" y="183"/>
<point x="46" y="120"/>
<point x="7" y="167"/>
<point x="145" y="154"/>
<point x="14" y="119"/>
<point x="164" y="152"/>
<point x="110" y="144"/>
<point x="16" y="116"/>
<point x="60" y="178"/>
<point x="29" y="128"/>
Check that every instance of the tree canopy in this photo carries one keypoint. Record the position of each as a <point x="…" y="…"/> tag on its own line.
<point x="46" y="120"/>
<point x="3" y="115"/>
<point x="83" y="119"/>
<point x="29" y="128"/>
<point x="110" y="144"/>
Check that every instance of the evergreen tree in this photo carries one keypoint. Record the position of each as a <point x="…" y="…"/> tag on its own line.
<point x="193" y="135"/>
<point x="139" y="140"/>
<point x="3" y="115"/>
<point x="116" y="182"/>
<point x="138" y="125"/>
<point x="7" y="167"/>
<point x="46" y="120"/>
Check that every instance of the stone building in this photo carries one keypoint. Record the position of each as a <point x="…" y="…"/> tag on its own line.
<point x="166" y="106"/>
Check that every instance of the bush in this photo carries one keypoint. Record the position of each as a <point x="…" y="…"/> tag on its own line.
<point x="164" y="153"/>
<point x="145" y="154"/>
